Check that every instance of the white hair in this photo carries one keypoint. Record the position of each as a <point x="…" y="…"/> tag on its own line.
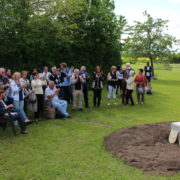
<point x="54" y="67"/>
<point x="2" y="70"/>
<point x="76" y="70"/>
<point x="83" y="67"/>
<point x="128" y="64"/>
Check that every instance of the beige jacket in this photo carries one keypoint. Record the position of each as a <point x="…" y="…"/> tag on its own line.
<point x="37" y="86"/>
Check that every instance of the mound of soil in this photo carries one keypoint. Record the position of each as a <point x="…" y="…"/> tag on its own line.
<point x="146" y="147"/>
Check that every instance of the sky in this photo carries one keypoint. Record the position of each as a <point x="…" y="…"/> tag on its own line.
<point x="164" y="9"/>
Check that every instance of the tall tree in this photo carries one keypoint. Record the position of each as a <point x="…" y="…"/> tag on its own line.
<point x="149" y="39"/>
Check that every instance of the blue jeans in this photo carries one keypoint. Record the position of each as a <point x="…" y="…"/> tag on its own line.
<point x="19" y="104"/>
<point x="61" y="105"/>
<point x="22" y="118"/>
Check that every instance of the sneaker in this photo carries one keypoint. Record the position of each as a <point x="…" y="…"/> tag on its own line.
<point x="115" y="103"/>
<point x="108" y="104"/>
<point x="80" y="109"/>
<point x="142" y="103"/>
<point x="73" y="109"/>
<point x="137" y="103"/>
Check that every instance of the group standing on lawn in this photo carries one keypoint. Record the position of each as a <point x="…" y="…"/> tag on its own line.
<point x="65" y="86"/>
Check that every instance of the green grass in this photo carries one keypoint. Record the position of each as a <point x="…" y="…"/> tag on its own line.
<point x="73" y="149"/>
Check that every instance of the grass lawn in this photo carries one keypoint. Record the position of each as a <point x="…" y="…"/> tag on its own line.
<point x="73" y="149"/>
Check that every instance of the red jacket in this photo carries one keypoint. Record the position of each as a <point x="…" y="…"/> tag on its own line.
<point x="140" y="80"/>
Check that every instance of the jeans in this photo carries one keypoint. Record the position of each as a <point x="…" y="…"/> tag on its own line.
<point x="61" y="106"/>
<point x="19" y="104"/>
<point x="97" y="95"/>
<point x="111" y="90"/>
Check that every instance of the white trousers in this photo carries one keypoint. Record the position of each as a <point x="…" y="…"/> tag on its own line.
<point x="111" y="90"/>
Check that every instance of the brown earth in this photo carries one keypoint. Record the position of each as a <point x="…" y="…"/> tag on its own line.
<point x="146" y="147"/>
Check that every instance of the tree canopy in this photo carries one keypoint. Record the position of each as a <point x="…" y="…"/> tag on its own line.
<point x="149" y="39"/>
<point x="34" y="33"/>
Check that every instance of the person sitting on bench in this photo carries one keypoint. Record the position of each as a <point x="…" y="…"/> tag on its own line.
<point x="17" y="114"/>
<point x="51" y="94"/>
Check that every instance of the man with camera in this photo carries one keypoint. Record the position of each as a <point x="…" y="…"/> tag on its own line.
<point x="66" y="84"/>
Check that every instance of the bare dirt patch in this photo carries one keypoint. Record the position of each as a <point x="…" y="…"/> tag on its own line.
<point x="146" y="147"/>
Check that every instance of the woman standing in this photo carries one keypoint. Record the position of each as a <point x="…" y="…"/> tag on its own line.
<point x="85" y="76"/>
<point x="130" y="88"/>
<point x="17" y="91"/>
<point x="24" y="80"/>
<point x="37" y="87"/>
<point x="140" y="81"/>
<point x="97" y="85"/>
<point x="112" y="85"/>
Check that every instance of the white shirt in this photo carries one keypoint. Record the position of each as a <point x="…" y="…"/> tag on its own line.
<point x="15" y="91"/>
<point x="120" y="76"/>
<point x="49" y="92"/>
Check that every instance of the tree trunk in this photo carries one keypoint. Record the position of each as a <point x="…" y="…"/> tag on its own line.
<point x="152" y="65"/>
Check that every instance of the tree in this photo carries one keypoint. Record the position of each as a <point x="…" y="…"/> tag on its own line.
<point x="34" y="33"/>
<point x="149" y="39"/>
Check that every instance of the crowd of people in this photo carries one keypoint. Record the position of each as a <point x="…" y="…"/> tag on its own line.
<point x="66" y="85"/>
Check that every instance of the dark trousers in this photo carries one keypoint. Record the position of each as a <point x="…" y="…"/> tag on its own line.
<point x="40" y="105"/>
<point x="67" y="93"/>
<point x="25" y="105"/>
<point x="148" y="79"/>
<point x="129" y="96"/>
<point x="85" y="92"/>
<point x="97" y="95"/>
<point x="123" y="96"/>
<point x="119" y="86"/>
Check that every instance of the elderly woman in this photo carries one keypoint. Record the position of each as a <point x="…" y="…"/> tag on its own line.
<point x="85" y="76"/>
<point x="17" y="91"/>
<point x="112" y="85"/>
<point x="77" y="86"/>
<point x="37" y="87"/>
<point x="97" y="85"/>
<point x="140" y="81"/>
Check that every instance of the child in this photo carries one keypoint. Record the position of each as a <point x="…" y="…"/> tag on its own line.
<point x="149" y="88"/>
<point x="130" y="88"/>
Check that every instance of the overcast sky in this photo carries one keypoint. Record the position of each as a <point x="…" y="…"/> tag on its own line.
<point x="164" y="9"/>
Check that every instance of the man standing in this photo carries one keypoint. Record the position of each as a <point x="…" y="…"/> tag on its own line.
<point x="148" y="72"/>
<point x="51" y="94"/>
<point x="66" y="85"/>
